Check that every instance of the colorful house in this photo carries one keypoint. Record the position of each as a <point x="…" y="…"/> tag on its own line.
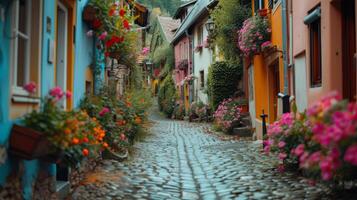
<point x="266" y="74"/>
<point x="324" y="49"/>
<point x="163" y="30"/>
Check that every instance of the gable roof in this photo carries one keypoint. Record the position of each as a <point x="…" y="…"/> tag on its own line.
<point x="168" y="26"/>
<point x="182" y="7"/>
<point x="199" y="9"/>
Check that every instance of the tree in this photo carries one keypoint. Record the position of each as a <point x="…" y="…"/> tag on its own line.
<point x="168" y="6"/>
<point x="228" y="17"/>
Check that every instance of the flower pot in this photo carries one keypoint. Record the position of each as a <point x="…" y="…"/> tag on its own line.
<point x="89" y="13"/>
<point x="114" y="55"/>
<point x="28" y="144"/>
<point x="263" y="12"/>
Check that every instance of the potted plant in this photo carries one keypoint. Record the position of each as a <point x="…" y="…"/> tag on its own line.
<point x="253" y="34"/>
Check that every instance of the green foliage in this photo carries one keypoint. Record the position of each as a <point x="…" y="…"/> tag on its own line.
<point x="165" y="53"/>
<point x="223" y="78"/>
<point x="167" y="96"/>
<point x="228" y="18"/>
<point x="179" y="111"/>
<point x="168" y="6"/>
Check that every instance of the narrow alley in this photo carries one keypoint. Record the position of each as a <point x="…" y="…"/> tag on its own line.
<point x="178" y="160"/>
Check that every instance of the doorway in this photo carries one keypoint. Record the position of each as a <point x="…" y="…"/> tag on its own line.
<point x="61" y="51"/>
<point x="349" y="50"/>
<point x="274" y="89"/>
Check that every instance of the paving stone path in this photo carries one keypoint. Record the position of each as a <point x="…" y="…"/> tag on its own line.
<point x="178" y="160"/>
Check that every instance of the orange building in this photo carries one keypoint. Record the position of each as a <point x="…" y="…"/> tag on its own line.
<point x="266" y="73"/>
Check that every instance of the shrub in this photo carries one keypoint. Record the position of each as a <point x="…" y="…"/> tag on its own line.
<point x="227" y="115"/>
<point x="223" y="81"/>
<point x="179" y="111"/>
<point x="254" y="35"/>
<point x="167" y="96"/>
<point x="324" y="144"/>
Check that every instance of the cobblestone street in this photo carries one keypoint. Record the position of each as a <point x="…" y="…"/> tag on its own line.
<point x="178" y="160"/>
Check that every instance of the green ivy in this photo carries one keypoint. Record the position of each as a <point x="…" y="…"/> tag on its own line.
<point x="167" y="96"/>
<point x="223" y="78"/>
<point x="228" y="17"/>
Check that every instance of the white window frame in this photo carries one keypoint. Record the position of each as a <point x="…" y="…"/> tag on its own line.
<point x="15" y="34"/>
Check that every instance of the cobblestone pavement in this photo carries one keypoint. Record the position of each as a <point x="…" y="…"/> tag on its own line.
<point x="178" y="160"/>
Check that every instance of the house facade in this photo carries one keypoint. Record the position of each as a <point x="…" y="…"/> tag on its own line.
<point x="322" y="67"/>
<point x="191" y="47"/>
<point x="43" y="41"/>
<point x="163" y="30"/>
<point x="183" y="50"/>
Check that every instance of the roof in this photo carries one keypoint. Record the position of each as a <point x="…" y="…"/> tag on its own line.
<point x="168" y="26"/>
<point x="200" y="8"/>
<point x="180" y="9"/>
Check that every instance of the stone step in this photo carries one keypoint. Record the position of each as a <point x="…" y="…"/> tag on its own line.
<point x="246" y="131"/>
<point x="246" y="121"/>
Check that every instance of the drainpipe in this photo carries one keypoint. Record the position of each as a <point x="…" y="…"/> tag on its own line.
<point x="285" y="40"/>
<point x="291" y="57"/>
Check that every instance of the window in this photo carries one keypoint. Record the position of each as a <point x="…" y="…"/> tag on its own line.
<point x="21" y="19"/>
<point x="200" y="35"/>
<point x="273" y="3"/>
<point x="315" y="53"/>
<point x="202" y="78"/>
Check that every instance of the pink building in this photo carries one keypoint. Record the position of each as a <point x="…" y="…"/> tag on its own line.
<point x="324" y="49"/>
<point x="183" y="54"/>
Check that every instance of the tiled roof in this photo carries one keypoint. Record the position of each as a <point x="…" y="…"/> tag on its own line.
<point x="198" y="9"/>
<point x="183" y="6"/>
<point x="168" y="26"/>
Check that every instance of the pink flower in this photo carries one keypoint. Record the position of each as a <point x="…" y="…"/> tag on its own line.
<point x="56" y="92"/>
<point x="30" y="87"/>
<point x="103" y="36"/>
<point x="281" y="144"/>
<point x="282" y="156"/>
<point x="68" y="94"/>
<point x="281" y="168"/>
<point x="104" y="111"/>
<point x="351" y="155"/>
<point x="299" y="150"/>
<point x="90" y="33"/>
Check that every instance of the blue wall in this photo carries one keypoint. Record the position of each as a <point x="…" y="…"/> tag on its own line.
<point x="84" y="50"/>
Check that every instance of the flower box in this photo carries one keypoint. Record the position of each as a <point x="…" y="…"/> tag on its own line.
<point x="89" y="13"/>
<point x="28" y="144"/>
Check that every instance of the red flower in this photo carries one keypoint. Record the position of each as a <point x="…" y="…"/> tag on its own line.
<point x="106" y="54"/>
<point x="111" y="12"/>
<point x="122" y="12"/>
<point x="85" y="152"/>
<point x="96" y="24"/>
<point x="126" y="24"/>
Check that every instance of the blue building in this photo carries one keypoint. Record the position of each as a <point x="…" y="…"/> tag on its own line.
<point x="43" y="41"/>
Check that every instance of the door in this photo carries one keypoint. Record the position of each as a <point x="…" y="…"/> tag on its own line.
<point x="274" y="88"/>
<point x="61" y="51"/>
<point x="349" y="50"/>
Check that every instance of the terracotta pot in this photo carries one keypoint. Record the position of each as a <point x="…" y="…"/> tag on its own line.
<point x="89" y="13"/>
<point x="28" y="144"/>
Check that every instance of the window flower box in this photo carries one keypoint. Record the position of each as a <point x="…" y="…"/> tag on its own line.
<point x="30" y="144"/>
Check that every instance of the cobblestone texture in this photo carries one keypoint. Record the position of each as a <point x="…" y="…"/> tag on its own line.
<point x="178" y="160"/>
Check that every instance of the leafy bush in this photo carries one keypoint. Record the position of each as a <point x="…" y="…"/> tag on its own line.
<point x="227" y="115"/>
<point x="223" y="81"/>
<point x="179" y="111"/>
<point x="167" y="96"/>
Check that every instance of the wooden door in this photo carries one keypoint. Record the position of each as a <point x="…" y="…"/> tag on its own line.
<point x="274" y="89"/>
<point x="349" y="49"/>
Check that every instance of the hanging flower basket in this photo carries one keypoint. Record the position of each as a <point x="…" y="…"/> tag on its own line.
<point x="89" y="13"/>
<point x="28" y="144"/>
